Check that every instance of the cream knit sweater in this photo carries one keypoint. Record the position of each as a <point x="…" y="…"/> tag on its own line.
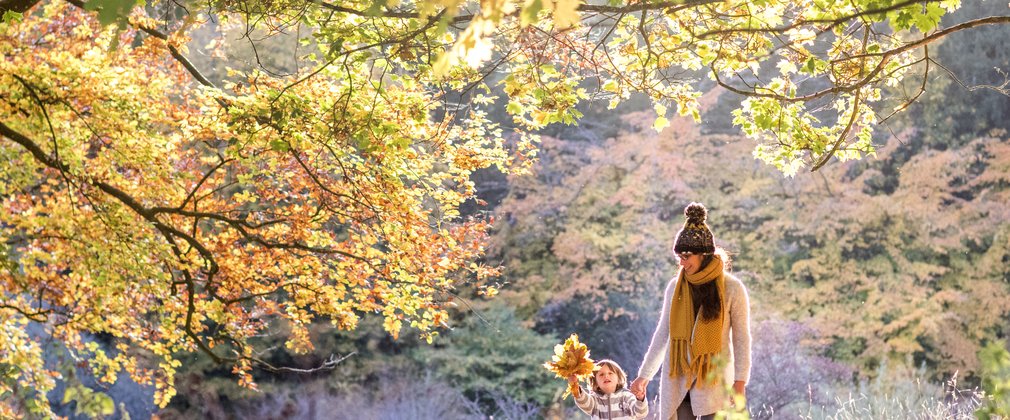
<point x="735" y="349"/>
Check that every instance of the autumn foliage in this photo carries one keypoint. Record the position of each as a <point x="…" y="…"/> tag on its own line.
<point x="571" y="359"/>
<point x="178" y="218"/>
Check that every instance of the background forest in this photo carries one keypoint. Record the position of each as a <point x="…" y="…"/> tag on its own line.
<point x="876" y="285"/>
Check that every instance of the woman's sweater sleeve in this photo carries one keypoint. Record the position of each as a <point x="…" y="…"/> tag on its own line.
<point x="740" y="326"/>
<point x="654" y="357"/>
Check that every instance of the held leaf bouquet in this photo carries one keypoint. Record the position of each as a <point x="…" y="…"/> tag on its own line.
<point x="571" y="358"/>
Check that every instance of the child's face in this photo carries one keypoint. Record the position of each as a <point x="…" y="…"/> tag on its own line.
<point x="606" y="379"/>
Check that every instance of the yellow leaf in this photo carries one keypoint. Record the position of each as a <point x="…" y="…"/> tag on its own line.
<point x="571" y="358"/>
<point x="660" y="124"/>
<point x="566" y="13"/>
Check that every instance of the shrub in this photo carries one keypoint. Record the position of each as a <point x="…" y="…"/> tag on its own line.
<point x="995" y="374"/>
<point x="787" y="370"/>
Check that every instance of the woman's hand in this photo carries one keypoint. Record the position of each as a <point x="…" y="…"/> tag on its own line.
<point x="638" y="387"/>
<point x="740" y="388"/>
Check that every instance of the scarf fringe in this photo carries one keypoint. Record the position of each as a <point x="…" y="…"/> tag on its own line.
<point x="678" y="358"/>
<point x="700" y="368"/>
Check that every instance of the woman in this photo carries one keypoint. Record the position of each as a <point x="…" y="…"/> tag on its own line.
<point x="701" y="307"/>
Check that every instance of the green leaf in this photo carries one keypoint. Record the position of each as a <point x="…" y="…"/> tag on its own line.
<point x="335" y="47"/>
<point x="611" y="86"/>
<point x="660" y="124"/>
<point x="809" y="66"/>
<point x="12" y="16"/>
<point x="995" y="372"/>
<point x="70" y="394"/>
<point x="814" y="66"/>
<point x="930" y="19"/>
<point x="376" y="8"/>
<point x="514" y="108"/>
<point x="400" y="142"/>
<point x="279" y="145"/>
<point x="529" y="13"/>
<point x="111" y="11"/>
<point x="364" y="143"/>
<point x="903" y="20"/>
<point x="105" y="404"/>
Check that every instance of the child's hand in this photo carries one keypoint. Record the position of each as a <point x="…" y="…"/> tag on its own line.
<point x="573" y="383"/>
<point x="639" y="393"/>
<point x="638" y="387"/>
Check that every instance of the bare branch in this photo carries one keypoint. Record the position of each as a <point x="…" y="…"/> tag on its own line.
<point x="329" y="364"/>
<point x="921" y="90"/>
<point x="1001" y="89"/>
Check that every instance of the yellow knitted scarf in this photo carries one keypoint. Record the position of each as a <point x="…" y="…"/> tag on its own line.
<point x="707" y="340"/>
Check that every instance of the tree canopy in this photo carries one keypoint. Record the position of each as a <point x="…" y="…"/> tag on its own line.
<point x="169" y="210"/>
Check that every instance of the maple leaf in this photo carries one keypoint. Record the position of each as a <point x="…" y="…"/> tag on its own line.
<point x="566" y="13"/>
<point x="571" y="358"/>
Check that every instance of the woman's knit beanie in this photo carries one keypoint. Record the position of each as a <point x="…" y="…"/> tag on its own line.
<point x="695" y="237"/>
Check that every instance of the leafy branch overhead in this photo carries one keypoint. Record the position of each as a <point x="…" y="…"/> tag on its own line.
<point x="175" y="207"/>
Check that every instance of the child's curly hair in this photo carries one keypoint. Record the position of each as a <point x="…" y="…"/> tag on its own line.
<point x="622" y="378"/>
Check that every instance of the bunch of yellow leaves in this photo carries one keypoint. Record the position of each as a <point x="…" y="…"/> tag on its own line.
<point x="569" y="359"/>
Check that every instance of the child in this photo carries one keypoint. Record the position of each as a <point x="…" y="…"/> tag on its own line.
<point x="610" y="398"/>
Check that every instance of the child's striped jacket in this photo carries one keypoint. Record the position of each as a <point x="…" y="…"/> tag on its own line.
<point x="621" y="405"/>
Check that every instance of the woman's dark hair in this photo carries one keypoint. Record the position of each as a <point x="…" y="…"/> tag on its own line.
<point x="706" y="296"/>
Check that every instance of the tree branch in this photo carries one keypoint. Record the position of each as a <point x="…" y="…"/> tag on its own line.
<point x="1001" y="89"/>
<point x="638" y="7"/>
<point x="171" y="49"/>
<point x="841" y="137"/>
<point x="328" y="364"/>
<point x="935" y="36"/>
<point x="885" y="56"/>
<point x="30" y="315"/>
<point x="832" y="22"/>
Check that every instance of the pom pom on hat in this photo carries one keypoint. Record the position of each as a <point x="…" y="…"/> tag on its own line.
<point x="696" y="213"/>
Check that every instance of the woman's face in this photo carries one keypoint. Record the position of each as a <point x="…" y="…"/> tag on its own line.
<point x="691" y="263"/>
